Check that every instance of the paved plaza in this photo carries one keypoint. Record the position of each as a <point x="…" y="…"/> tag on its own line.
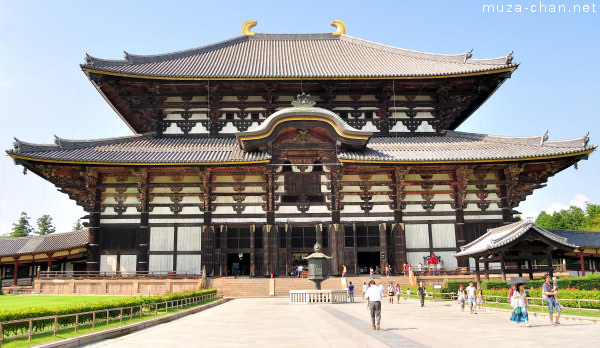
<point x="273" y="322"/>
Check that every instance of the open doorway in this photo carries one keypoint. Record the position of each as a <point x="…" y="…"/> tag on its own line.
<point x="367" y="259"/>
<point x="238" y="264"/>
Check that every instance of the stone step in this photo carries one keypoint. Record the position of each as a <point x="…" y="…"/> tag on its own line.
<point x="259" y="287"/>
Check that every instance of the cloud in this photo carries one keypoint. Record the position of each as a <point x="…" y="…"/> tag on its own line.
<point x="580" y="200"/>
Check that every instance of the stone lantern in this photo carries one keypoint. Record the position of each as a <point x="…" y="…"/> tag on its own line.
<point x="317" y="266"/>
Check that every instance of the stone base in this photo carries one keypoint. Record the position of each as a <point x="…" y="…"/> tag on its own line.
<point x="318" y="296"/>
<point x="121" y="287"/>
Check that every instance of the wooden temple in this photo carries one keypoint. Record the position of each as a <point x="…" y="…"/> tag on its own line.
<point x="518" y="243"/>
<point x="248" y="151"/>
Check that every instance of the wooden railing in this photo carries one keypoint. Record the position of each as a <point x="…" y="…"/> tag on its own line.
<point x="53" y="322"/>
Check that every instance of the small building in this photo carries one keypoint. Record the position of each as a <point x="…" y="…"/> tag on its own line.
<point x="22" y="258"/>
<point x="519" y="243"/>
<point x="586" y="258"/>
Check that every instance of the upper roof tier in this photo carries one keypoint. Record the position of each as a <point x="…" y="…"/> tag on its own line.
<point x="292" y="56"/>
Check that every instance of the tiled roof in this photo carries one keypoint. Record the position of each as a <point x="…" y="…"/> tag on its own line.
<point x="298" y="56"/>
<point x="581" y="238"/>
<point x="143" y="148"/>
<point x="460" y="146"/>
<point x="501" y="236"/>
<point x="448" y="147"/>
<point x="42" y="244"/>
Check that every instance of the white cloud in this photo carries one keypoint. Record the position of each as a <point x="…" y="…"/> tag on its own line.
<point x="580" y="200"/>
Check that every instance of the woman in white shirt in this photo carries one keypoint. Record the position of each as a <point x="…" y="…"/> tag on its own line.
<point x="520" y="304"/>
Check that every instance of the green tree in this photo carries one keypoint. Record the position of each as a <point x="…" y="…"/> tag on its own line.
<point x="22" y="228"/>
<point x="45" y="226"/>
<point x="573" y="218"/>
<point x="78" y="226"/>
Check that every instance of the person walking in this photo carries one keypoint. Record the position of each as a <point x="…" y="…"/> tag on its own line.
<point x="520" y="304"/>
<point x="351" y="292"/>
<point x="374" y="295"/>
<point x="461" y="297"/>
<point x="371" y="272"/>
<point x="391" y="292"/>
<point x="365" y="288"/>
<point x="480" y="299"/>
<point x="421" y="292"/>
<point x="550" y="296"/>
<point x="471" y="296"/>
<point x="398" y="293"/>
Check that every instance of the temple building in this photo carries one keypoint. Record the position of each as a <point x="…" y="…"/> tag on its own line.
<point x="248" y="151"/>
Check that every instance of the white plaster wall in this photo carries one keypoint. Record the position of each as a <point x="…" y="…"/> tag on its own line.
<point x="189" y="263"/>
<point x="162" y="238"/>
<point x="189" y="238"/>
<point x="443" y="235"/>
<point x="128" y="264"/>
<point x="160" y="263"/>
<point x="108" y="263"/>
<point x="417" y="236"/>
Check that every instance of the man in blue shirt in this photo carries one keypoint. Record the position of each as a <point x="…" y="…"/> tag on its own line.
<point x="351" y="292"/>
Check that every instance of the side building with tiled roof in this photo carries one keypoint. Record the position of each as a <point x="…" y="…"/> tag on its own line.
<point x="22" y="259"/>
<point x="249" y="151"/>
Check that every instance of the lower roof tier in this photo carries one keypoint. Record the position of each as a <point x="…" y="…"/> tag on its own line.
<point x="448" y="147"/>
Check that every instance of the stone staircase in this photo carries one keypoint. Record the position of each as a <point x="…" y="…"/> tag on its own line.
<point x="259" y="287"/>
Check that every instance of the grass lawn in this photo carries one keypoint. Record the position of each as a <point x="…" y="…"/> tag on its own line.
<point x="24" y="301"/>
<point x="69" y="333"/>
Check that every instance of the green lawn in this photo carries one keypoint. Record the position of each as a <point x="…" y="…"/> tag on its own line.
<point x="63" y="334"/>
<point x="24" y="301"/>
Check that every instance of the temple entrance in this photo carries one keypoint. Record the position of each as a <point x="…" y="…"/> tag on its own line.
<point x="238" y="264"/>
<point x="367" y="259"/>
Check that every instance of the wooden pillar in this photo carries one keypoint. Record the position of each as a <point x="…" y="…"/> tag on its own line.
<point x="270" y="249"/>
<point x="208" y="249"/>
<point x="477" y="273"/>
<point x="582" y="263"/>
<point x="399" y="247"/>
<point x="519" y="268"/>
<point x="143" y="234"/>
<point x="224" y="250"/>
<point x="93" y="255"/>
<point x="530" y="263"/>
<point x="49" y="262"/>
<point x="252" y="264"/>
<point x="502" y="267"/>
<point x="486" y="266"/>
<point x="336" y="247"/>
<point x="460" y="236"/>
<point x="335" y="175"/>
<point x="15" y="276"/>
<point x="550" y="269"/>
<point x="383" y="255"/>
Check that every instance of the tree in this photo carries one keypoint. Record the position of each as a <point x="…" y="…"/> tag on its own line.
<point x="22" y="228"/>
<point x="45" y="226"/>
<point x="573" y="218"/>
<point x="78" y="226"/>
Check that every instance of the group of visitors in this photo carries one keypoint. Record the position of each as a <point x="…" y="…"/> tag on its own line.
<point x="472" y="296"/>
<point x="518" y="300"/>
<point x="374" y="293"/>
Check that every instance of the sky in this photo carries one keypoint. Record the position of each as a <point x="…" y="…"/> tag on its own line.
<point x="43" y="91"/>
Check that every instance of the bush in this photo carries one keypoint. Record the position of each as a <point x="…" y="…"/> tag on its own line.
<point x="589" y="282"/>
<point x="452" y="285"/>
<point x="41" y="325"/>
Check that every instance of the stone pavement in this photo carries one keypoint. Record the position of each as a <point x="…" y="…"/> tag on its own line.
<point x="273" y="322"/>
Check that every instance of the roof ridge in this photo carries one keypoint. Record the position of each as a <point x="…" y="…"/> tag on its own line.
<point x="151" y="58"/>
<point x="438" y="57"/>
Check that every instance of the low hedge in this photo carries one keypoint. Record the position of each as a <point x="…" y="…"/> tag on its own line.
<point x="572" y="294"/>
<point x="41" y="325"/>
<point x="589" y="282"/>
